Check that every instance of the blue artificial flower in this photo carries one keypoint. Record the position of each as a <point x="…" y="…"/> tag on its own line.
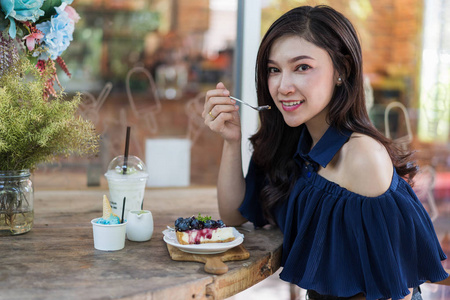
<point x="21" y="10"/>
<point x="58" y="33"/>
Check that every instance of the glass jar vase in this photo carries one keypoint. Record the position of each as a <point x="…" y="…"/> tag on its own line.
<point x="16" y="202"/>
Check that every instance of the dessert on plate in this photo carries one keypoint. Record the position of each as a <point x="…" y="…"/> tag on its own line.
<point x="201" y="230"/>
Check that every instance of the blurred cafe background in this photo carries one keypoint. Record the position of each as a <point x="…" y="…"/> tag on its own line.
<point x="147" y="64"/>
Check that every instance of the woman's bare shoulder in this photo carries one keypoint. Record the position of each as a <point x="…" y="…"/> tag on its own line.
<point x="365" y="165"/>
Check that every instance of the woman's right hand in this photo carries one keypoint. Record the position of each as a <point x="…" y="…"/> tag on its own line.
<point x="221" y="114"/>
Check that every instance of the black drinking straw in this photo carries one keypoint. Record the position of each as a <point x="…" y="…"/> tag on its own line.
<point x="127" y="145"/>
<point x="123" y="207"/>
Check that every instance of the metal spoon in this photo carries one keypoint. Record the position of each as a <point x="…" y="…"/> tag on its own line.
<point x="258" y="108"/>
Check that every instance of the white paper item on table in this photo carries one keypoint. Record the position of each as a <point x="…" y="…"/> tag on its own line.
<point x="108" y="237"/>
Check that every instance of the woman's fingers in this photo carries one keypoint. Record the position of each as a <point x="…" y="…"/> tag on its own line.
<point x="220" y="91"/>
<point x="216" y="110"/>
<point x="218" y="97"/>
<point x="228" y="117"/>
<point x="227" y="125"/>
<point x="220" y="113"/>
<point x="211" y="115"/>
<point x="220" y="86"/>
<point x="222" y="94"/>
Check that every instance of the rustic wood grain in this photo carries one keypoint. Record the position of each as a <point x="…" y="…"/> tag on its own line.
<point x="213" y="262"/>
<point x="57" y="259"/>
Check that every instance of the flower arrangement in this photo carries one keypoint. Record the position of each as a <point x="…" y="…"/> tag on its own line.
<point x="37" y="123"/>
<point x="33" y="130"/>
<point x="44" y="29"/>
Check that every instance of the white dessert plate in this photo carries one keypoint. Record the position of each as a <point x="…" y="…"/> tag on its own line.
<point x="209" y="248"/>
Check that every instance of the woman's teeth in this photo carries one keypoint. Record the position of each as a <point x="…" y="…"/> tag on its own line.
<point x="293" y="103"/>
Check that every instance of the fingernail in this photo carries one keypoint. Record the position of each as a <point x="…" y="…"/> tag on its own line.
<point x="226" y="92"/>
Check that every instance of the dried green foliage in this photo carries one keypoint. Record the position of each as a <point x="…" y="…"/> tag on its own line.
<point x="34" y="130"/>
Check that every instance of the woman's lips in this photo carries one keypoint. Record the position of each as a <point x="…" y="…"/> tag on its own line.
<point x="291" y="105"/>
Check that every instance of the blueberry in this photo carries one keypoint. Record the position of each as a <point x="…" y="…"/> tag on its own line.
<point x="183" y="225"/>
<point x="220" y="224"/>
<point x="208" y="224"/>
<point x="201" y="224"/>
<point x="194" y="223"/>
<point x="178" y="221"/>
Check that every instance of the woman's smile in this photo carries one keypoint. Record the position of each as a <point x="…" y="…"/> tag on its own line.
<point x="291" y="105"/>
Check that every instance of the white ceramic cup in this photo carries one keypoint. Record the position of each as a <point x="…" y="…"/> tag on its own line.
<point x="140" y="225"/>
<point x="108" y="237"/>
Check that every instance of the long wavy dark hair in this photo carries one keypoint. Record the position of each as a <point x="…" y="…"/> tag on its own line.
<point x="275" y="142"/>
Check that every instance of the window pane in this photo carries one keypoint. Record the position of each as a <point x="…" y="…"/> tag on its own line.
<point x="147" y="64"/>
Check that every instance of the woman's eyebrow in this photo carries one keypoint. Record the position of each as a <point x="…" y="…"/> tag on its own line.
<point x="300" y="57"/>
<point x="294" y="59"/>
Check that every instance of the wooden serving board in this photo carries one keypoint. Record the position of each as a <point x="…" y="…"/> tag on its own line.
<point x="213" y="262"/>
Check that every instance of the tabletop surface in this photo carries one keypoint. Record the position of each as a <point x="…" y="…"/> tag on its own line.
<point x="57" y="259"/>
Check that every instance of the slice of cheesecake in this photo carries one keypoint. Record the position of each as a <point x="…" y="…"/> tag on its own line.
<point x="200" y="231"/>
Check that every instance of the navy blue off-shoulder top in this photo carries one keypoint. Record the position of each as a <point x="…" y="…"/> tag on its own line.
<point x="340" y="243"/>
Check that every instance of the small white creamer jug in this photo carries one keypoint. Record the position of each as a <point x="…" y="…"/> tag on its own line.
<point x="140" y="225"/>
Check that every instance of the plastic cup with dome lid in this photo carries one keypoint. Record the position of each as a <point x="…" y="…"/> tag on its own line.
<point x="127" y="177"/>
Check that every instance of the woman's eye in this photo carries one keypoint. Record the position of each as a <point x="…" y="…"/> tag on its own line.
<point x="303" y="68"/>
<point x="273" y="70"/>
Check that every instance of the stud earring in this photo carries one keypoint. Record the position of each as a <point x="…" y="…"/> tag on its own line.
<point x="339" y="81"/>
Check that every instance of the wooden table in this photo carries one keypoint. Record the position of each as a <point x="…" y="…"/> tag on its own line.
<point x="57" y="259"/>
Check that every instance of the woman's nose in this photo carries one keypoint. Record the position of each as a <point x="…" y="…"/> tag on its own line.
<point x="286" y="85"/>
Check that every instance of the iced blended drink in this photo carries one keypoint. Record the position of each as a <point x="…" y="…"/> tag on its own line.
<point x="130" y="184"/>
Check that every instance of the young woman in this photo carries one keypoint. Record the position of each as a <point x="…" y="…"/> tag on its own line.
<point x="338" y="190"/>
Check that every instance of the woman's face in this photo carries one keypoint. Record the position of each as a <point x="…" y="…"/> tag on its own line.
<point x="301" y="81"/>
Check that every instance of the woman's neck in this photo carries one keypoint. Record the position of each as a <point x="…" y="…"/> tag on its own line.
<point x="318" y="125"/>
<point x="316" y="130"/>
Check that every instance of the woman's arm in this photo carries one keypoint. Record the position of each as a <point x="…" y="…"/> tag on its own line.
<point x="231" y="184"/>
<point x="221" y="116"/>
